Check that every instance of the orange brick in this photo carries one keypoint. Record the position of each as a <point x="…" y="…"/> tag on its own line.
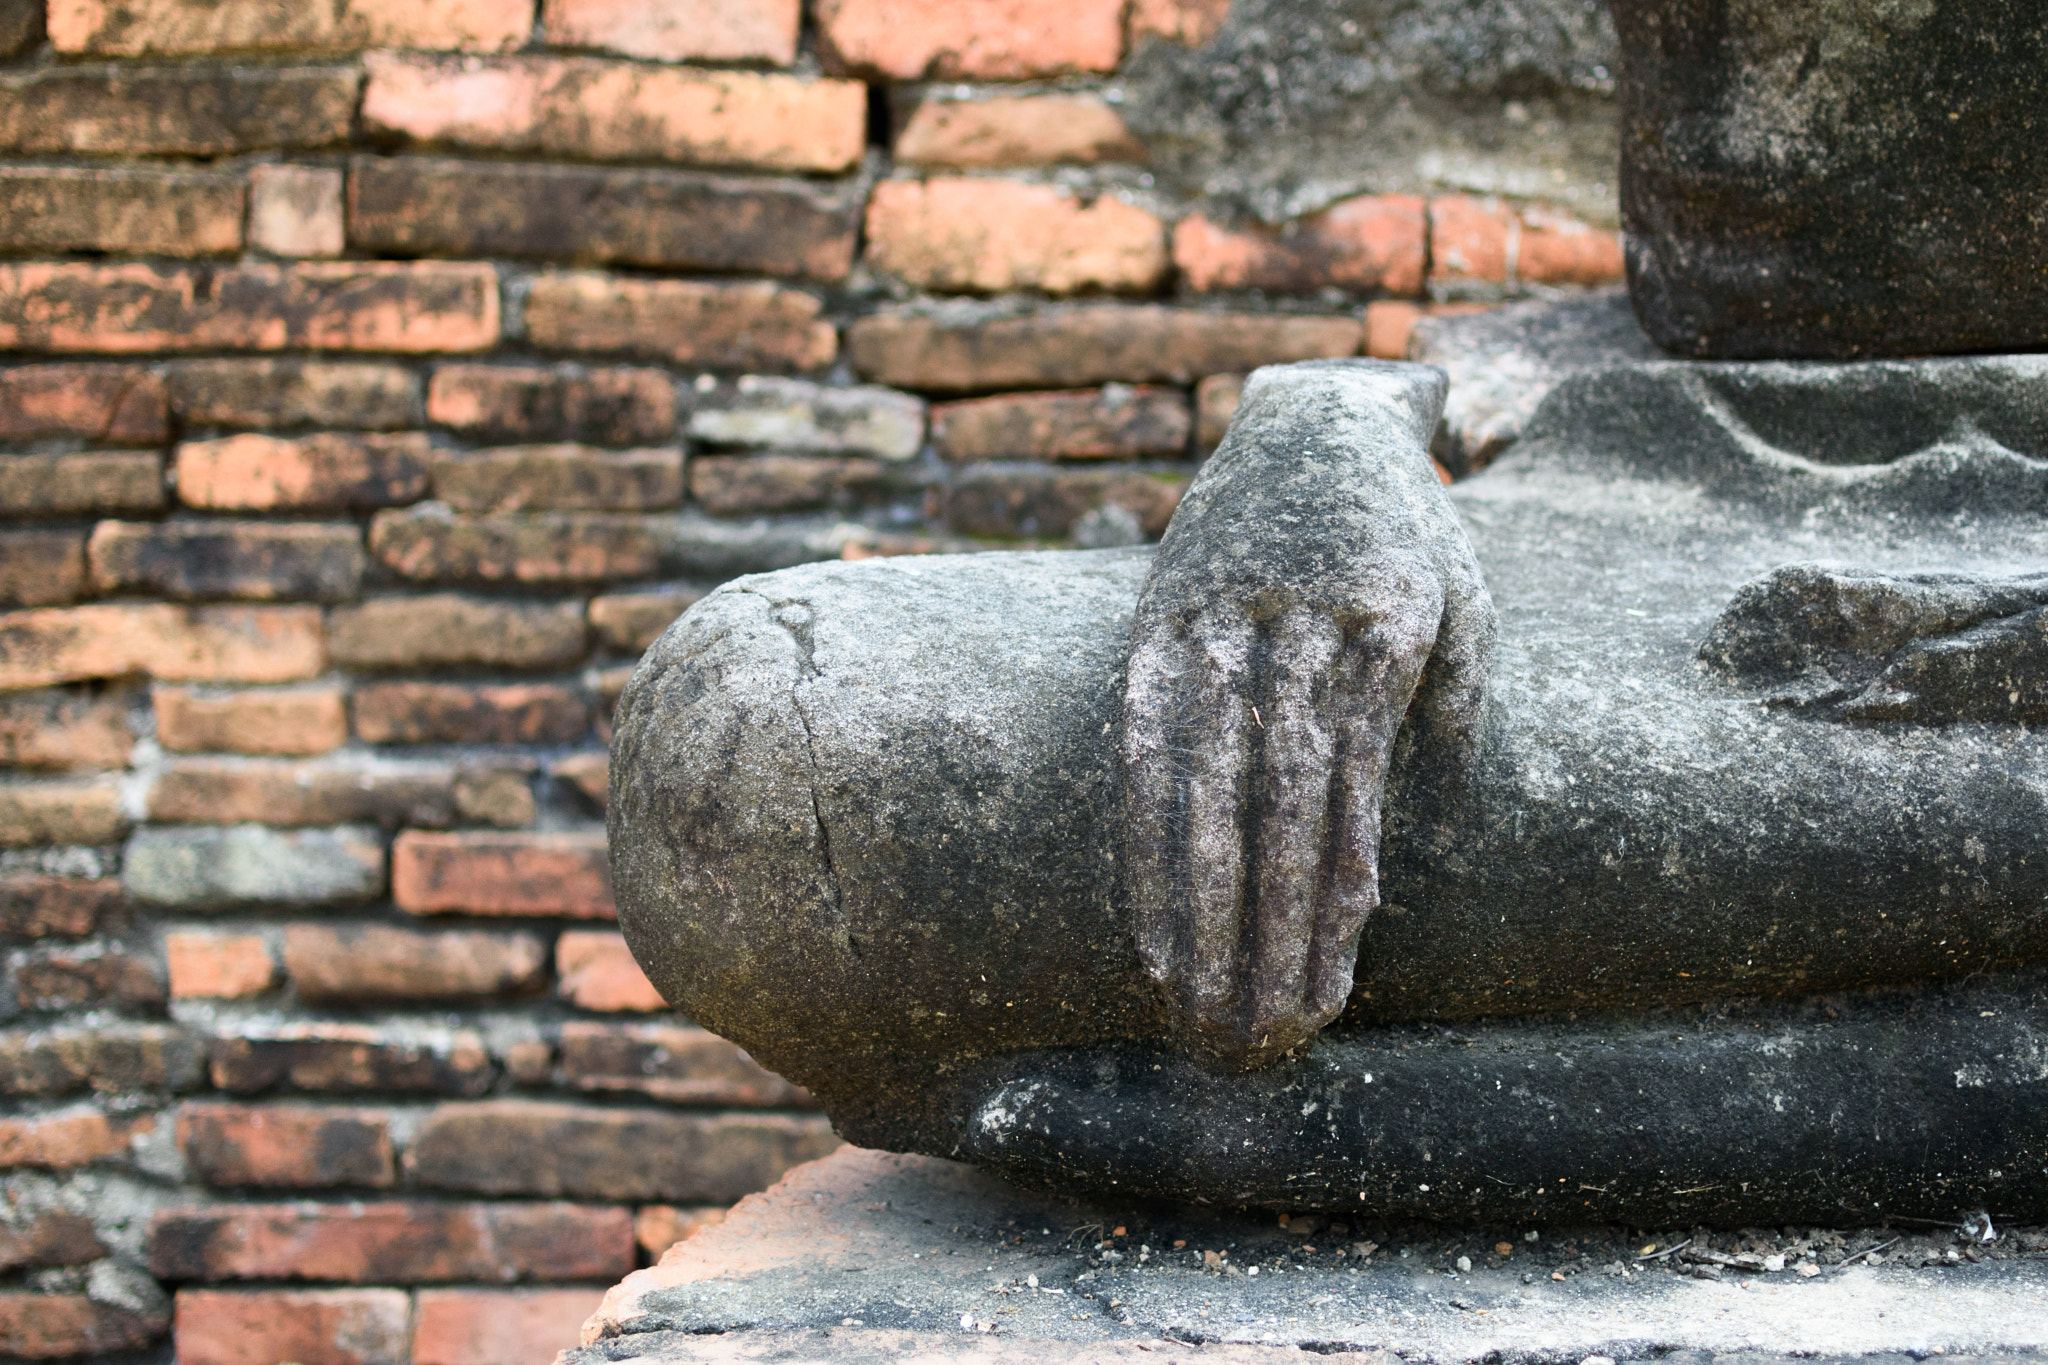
<point x="254" y="560"/>
<point x="288" y="721"/>
<point x="1556" y="248"/>
<point x="187" y="109"/>
<point x="988" y="236"/>
<point x="677" y="30"/>
<point x="589" y="107"/>
<point x="1469" y="240"/>
<point x="469" y="713"/>
<point x="657" y="1227"/>
<point x="1188" y="22"/>
<point x="176" y="644"/>
<point x="621" y="406"/>
<point x="498" y="1326"/>
<point x="411" y="306"/>
<point x="120" y="210"/>
<point x="206" y="966"/>
<point x="308" y="473"/>
<point x="292" y="1145"/>
<point x="1388" y="323"/>
<point x="1115" y="423"/>
<point x="61" y="1326"/>
<point x="396" y="1242"/>
<point x="57" y="729"/>
<point x="268" y="392"/>
<point x="304" y="1326"/>
<point x="480" y="873"/>
<point x="111" y="404"/>
<point x="442" y="630"/>
<point x="758" y="326"/>
<point x="295" y="210"/>
<point x="1016" y="130"/>
<point x="596" y="971"/>
<point x="69" y="1138"/>
<point x="1373" y="242"/>
<point x="134" y="27"/>
<point x="377" y="962"/>
<point x="907" y="40"/>
<point x="61" y="812"/>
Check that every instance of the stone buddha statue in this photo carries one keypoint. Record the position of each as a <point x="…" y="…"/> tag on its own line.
<point x="1649" y="827"/>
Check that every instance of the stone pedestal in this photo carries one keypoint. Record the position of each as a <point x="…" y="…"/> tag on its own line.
<point x="865" y="1255"/>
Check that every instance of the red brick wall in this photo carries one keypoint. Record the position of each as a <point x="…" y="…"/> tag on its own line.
<point x="377" y="378"/>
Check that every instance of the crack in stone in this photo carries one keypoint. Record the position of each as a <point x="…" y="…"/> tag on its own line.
<point x="794" y="616"/>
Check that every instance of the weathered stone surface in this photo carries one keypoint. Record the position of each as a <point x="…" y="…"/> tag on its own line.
<point x="1840" y="182"/>
<point x="1772" y="834"/>
<point x="767" y="412"/>
<point x="201" y="867"/>
<point x="909" y="1248"/>
<point x="424" y="206"/>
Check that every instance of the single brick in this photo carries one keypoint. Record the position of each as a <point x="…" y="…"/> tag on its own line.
<point x="1557" y="249"/>
<point x="375" y="962"/>
<point x="399" y="1242"/>
<point x="349" y="1058"/>
<point x="678" y="220"/>
<point x="1085" y="344"/>
<point x="114" y="1059"/>
<point x="1373" y="243"/>
<point x="207" y="867"/>
<point x="86" y="976"/>
<point x="304" y="1326"/>
<point x="110" y="404"/>
<point x="999" y="40"/>
<point x="41" y="568"/>
<point x="64" y="811"/>
<point x="1016" y="130"/>
<point x="476" y="873"/>
<point x="989" y="236"/>
<point x="64" y="729"/>
<point x="1469" y="241"/>
<point x="596" y="971"/>
<point x="1014" y="502"/>
<point x="587" y="773"/>
<point x="570" y="477"/>
<point x="208" y="966"/>
<point x="120" y="210"/>
<point x="757" y="326"/>
<point x="177" y="644"/>
<point x="54" y="485"/>
<point x="329" y="470"/>
<point x="69" y="1138"/>
<point x="295" y="210"/>
<point x="737" y="484"/>
<point x="36" y="905"/>
<point x="594" y="109"/>
<point x="674" y="1063"/>
<point x="298" y="1146"/>
<point x="498" y="1326"/>
<point x="612" y="407"/>
<point x="631" y="621"/>
<point x="768" y="412"/>
<point x="52" y="1238"/>
<point x="469" y="713"/>
<point x="229" y="791"/>
<point x="256" y="306"/>
<point x="496" y="796"/>
<point x="64" y="1326"/>
<point x="431" y="544"/>
<point x="529" y="1062"/>
<point x="657" y="1227"/>
<point x="287" y="721"/>
<point x="21" y="25"/>
<point x="1388" y="324"/>
<point x="447" y="630"/>
<point x="1117" y="422"/>
<point x="1216" y="399"/>
<point x="202" y="111"/>
<point x="263" y="561"/>
<point x="677" y="30"/>
<point x="1190" y="23"/>
<point x="135" y="27"/>
<point x="276" y="393"/>
<point x="531" y="1147"/>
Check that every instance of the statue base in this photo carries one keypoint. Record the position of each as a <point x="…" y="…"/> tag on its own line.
<point x="864" y="1254"/>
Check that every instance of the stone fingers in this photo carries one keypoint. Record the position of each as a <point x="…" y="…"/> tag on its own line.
<point x="1217" y="736"/>
<point x="1153" y="775"/>
<point x="1453" y="689"/>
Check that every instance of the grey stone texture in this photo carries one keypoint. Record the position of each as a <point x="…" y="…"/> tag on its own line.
<point x="891" y="790"/>
<point x="1297" y="103"/>
<point x="201" y="867"/>
<point x="1835" y="180"/>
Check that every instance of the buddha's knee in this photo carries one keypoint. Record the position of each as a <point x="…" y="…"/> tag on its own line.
<point x="822" y="845"/>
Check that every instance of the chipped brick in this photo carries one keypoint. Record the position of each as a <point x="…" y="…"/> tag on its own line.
<point x="596" y="971"/>
<point x="1016" y="130"/>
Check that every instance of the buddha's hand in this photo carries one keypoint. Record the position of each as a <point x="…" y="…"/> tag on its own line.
<point x="1314" y="592"/>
